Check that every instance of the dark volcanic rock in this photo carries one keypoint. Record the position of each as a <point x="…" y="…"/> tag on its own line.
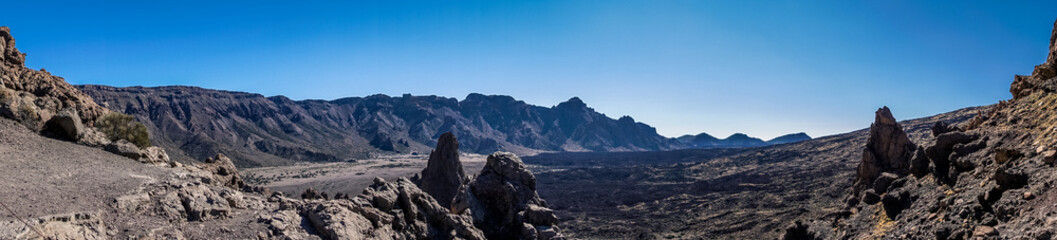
<point x="504" y="202"/>
<point x="443" y="174"/>
<point x="798" y="231"/>
<point x="888" y="150"/>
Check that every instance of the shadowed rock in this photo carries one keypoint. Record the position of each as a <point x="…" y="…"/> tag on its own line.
<point x="887" y="150"/>
<point x="443" y="173"/>
<point x="504" y="202"/>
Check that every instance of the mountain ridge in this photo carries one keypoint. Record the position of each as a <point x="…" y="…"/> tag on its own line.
<point x="194" y="122"/>
<point x="738" y="140"/>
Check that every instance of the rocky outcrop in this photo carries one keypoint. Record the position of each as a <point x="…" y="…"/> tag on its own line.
<point x="443" y="174"/>
<point x="223" y="171"/>
<point x="888" y="150"/>
<point x="385" y="210"/>
<point x="33" y="97"/>
<point x="1042" y="79"/>
<point x="504" y="202"/>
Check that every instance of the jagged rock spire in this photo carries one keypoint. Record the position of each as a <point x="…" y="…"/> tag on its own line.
<point x="443" y="174"/>
<point x="887" y="150"/>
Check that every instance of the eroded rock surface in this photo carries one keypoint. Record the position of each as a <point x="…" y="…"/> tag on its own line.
<point x="33" y="97"/>
<point x="504" y="202"/>
<point x="888" y="150"/>
<point x="443" y="174"/>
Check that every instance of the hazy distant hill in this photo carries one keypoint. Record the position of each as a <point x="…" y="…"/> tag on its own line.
<point x="737" y="140"/>
<point x="194" y="123"/>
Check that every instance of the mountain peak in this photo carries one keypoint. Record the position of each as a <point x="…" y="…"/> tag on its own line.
<point x="574" y="102"/>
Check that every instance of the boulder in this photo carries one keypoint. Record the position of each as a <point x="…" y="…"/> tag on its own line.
<point x="124" y="148"/>
<point x="536" y="215"/>
<point x="887" y="150"/>
<point x="880" y="185"/>
<point x="503" y="200"/>
<point x="223" y="171"/>
<point x="798" y="231"/>
<point x="443" y="174"/>
<point x="894" y="202"/>
<point x="870" y="197"/>
<point x="312" y="194"/>
<point x="919" y="164"/>
<point x="1007" y="178"/>
<point x="154" y="155"/>
<point x="940" y="152"/>
<point x="66" y="125"/>
<point x="1048" y="156"/>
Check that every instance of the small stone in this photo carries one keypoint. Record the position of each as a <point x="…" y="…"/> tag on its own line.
<point x="1049" y="156"/>
<point x="870" y="197"/>
<point x="1029" y="196"/>
<point x="984" y="231"/>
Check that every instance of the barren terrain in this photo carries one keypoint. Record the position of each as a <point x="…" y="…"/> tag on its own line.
<point x="346" y="177"/>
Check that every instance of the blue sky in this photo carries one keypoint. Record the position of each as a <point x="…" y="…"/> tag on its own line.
<point x="760" y="67"/>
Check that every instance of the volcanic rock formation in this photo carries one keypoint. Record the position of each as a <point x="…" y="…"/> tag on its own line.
<point x="504" y="202"/>
<point x="887" y="151"/>
<point x="443" y="174"/>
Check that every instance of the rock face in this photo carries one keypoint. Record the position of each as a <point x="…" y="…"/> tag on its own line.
<point x="888" y="150"/>
<point x="259" y="131"/>
<point x="504" y="202"/>
<point x="443" y="174"/>
<point x="1040" y="80"/>
<point x="33" y="97"/>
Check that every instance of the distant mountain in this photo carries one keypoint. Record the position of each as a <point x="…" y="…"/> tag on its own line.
<point x="789" y="138"/>
<point x="195" y="123"/>
<point x="737" y="140"/>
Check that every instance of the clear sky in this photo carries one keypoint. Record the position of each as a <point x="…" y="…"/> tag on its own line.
<point x="760" y="67"/>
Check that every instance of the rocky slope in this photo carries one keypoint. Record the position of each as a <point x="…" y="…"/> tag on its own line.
<point x="737" y="140"/>
<point x="741" y="193"/>
<point x="194" y="123"/>
<point x="990" y="178"/>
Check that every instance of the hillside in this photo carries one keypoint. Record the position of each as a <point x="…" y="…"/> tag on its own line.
<point x="708" y="193"/>
<point x="989" y="178"/>
<point x="193" y="123"/>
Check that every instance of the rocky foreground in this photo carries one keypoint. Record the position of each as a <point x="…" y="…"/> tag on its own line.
<point x="990" y="178"/>
<point x="63" y="179"/>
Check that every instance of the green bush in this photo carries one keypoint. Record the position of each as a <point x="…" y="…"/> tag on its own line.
<point x="119" y="126"/>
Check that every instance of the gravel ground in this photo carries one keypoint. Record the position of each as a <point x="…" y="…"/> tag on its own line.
<point x="42" y="176"/>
